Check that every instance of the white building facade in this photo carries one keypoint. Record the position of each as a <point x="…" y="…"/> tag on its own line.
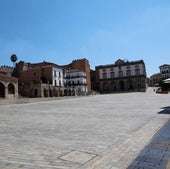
<point x="58" y="78"/>
<point x="165" y="71"/>
<point x="76" y="80"/>
<point x="122" y="76"/>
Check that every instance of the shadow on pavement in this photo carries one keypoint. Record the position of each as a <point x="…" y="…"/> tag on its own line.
<point x="156" y="155"/>
<point x="166" y="110"/>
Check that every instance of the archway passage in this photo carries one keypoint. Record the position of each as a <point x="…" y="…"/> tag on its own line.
<point x="2" y="90"/>
<point x="65" y="92"/>
<point x="69" y="92"/>
<point x="113" y="86"/>
<point x="129" y="85"/>
<point x="45" y="92"/>
<point x="122" y="85"/>
<point x="11" y="89"/>
<point x="105" y="87"/>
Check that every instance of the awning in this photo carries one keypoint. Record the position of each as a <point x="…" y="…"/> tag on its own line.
<point x="166" y="80"/>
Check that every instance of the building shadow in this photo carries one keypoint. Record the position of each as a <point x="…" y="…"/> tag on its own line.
<point x="165" y="110"/>
<point x="156" y="155"/>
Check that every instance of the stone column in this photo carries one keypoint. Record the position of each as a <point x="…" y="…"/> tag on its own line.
<point x="16" y="91"/>
<point x="6" y="92"/>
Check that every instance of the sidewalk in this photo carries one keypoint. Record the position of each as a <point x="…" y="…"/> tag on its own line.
<point x="24" y="100"/>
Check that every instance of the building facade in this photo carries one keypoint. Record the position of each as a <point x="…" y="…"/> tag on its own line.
<point x="154" y="80"/>
<point x="50" y="80"/>
<point x="8" y="83"/>
<point x="76" y="80"/>
<point x="165" y="71"/>
<point x="57" y="76"/>
<point x="121" y="76"/>
<point x="40" y="80"/>
<point x="81" y="65"/>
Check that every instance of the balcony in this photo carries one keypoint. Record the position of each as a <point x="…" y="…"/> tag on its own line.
<point x="78" y="76"/>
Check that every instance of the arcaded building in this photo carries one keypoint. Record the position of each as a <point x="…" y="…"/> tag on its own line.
<point x="120" y="76"/>
<point x="76" y="79"/>
<point x="46" y="79"/>
<point x="8" y="83"/>
<point x="40" y="79"/>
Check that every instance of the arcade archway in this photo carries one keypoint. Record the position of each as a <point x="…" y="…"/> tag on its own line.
<point x="121" y="85"/>
<point x="11" y="89"/>
<point x="2" y="90"/>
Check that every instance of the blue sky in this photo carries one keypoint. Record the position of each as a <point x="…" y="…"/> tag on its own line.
<point x="102" y="31"/>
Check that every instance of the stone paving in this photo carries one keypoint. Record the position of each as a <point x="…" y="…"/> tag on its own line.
<point x="113" y="131"/>
<point x="157" y="154"/>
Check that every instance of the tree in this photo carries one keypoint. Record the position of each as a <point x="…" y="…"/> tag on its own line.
<point x="14" y="59"/>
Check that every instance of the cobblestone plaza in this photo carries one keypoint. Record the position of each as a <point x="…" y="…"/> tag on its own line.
<point x="113" y="131"/>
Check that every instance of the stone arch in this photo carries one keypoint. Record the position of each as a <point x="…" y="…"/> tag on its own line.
<point x="2" y="90"/>
<point x="69" y="91"/>
<point x="129" y="85"/>
<point x="11" y="88"/>
<point x="45" y="91"/>
<point x="113" y="86"/>
<point x="61" y="92"/>
<point x="121" y="85"/>
<point x="105" y="86"/>
<point x="35" y="92"/>
<point x="51" y="92"/>
<point x="55" y="92"/>
<point x="73" y="92"/>
<point x="65" y="92"/>
<point x="138" y="83"/>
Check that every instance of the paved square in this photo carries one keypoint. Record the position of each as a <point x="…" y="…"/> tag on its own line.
<point x="78" y="157"/>
<point x="93" y="132"/>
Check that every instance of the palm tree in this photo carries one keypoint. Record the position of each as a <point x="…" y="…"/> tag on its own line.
<point x="14" y="59"/>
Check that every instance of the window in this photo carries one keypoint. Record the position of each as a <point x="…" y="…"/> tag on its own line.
<point x="55" y="82"/>
<point x="59" y="82"/>
<point x="128" y="73"/>
<point x="137" y="72"/>
<point x="112" y="74"/>
<point x="104" y="76"/>
<point x="55" y="73"/>
<point x="120" y="74"/>
<point x="59" y="74"/>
